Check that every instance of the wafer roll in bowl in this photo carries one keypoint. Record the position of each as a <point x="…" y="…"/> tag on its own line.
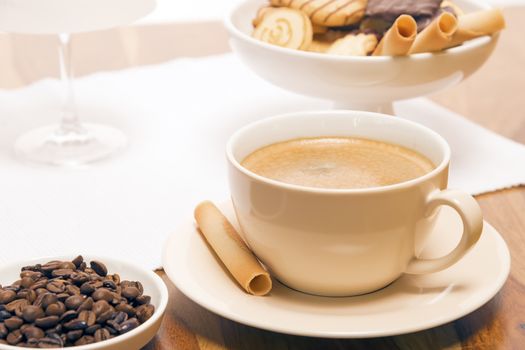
<point x="398" y="40"/>
<point x="437" y="36"/>
<point x="476" y="24"/>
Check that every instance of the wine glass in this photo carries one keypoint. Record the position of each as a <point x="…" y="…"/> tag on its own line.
<point x="70" y="142"/>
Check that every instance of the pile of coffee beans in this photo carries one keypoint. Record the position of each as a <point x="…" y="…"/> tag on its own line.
<point x="68" y="303"/>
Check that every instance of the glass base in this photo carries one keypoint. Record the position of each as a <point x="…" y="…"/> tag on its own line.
<point x="85" y="144"/>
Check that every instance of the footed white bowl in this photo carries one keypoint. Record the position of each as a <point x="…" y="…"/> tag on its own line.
<point x="369" y="83"/>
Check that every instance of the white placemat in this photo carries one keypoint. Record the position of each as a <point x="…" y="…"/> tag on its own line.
<point x="178" y="117"/>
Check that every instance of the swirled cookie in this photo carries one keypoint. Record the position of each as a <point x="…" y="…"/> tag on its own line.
<point x="285" y="27"/>
<point x="330" y="13"/>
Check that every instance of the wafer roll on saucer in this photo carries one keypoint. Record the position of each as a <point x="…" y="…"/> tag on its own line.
<point x="284" y="27"/>
<point x="437" y="36"/>
<point x="399" y="38"/>
<point x="231" y="250"/>
<point x="476" y="24"/>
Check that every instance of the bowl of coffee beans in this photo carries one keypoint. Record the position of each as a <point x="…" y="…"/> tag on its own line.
<point x="100" y="303"/>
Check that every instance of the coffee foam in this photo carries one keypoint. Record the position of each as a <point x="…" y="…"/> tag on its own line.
<point x="337" y="163"/>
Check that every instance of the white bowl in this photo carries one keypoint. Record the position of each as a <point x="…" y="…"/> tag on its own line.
<point x="363" y="83"/>
<point x="153" y="286"/>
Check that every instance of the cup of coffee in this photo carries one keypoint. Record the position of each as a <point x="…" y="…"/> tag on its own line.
<point x="332" y="201"/>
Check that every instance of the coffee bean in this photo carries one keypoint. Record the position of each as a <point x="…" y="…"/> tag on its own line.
<point x="120" y="317"/>
<point x="99" y="268"/>
<point x="109" y="284"/>
<point x="102" y="334"/>
<point x="127" y="308"/>
<point x="54" y="330"/>
<point x="105" y="316"/>
<point x="27" y="282"/>
<point x="79" y="278"/>
<point x="85" y="340"/>
<point x="102" y="294"/>
<point x="7" y="296"/>
<point x="111" y="330"/>
<point x="47" y="322"/>
<point x="73" y="336"/>
<point x="87" y="288"/>
<point x="56" y="287"/>
<point x="129" y="325"/>
<point x="115" y="278"/>
<point x="75" y="324"/>
<point x="143" y="299"/>
<point x="40" y="284"/>
<point x="62" y="273"/>
<point x="31" y="312"/>
<point x="67" y="265"/>
<point x="48" y="299"/>
<point x="4" y="315"/>
<point x="72" y="290"/>
<point x="144" y="312"/>
<point x="34" y="275"/>
<point x="3" y="331"/>
<point x="63" y="296"/>
<point x="13" y="323"/>
<point x="92" y="329"/>
<point x="14" y="337"/>
<point x="74" y="301"/>
<point x="101" y="307"/>
<point x="77" y="261"/>
<point x="28" y="294"/>
<point x="130" y="293"/>
<point x="87" y="304"/>
<point x="113" y="324"/>
<point x="16" y="306"/>
<point x="68" y="316"/>
<point x="32" y="332"/>
<point x="51" y="342"/>
<point x="56" y="309"/>
<point x="48" y="267"/>
<point x="88" y="316"/>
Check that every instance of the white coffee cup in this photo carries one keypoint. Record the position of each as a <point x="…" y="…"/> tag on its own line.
<point x="342" y="242"/>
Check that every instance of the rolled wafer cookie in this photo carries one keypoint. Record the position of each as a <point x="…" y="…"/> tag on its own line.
<point x="231" y="250"/>
<point x="285" y="27"/>
<point x="330" y="13"/>
<point x="450" y="5"/>
<point x="475" y="24"/>
<point x="437" y="35"/>
<point x="399" y="38"/>
<point x="354" y="45"/>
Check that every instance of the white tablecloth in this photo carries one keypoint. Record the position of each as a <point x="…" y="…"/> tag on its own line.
<point x="178" y="116"/>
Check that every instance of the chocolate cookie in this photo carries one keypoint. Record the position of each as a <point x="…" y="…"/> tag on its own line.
<point x="389" y="10"/>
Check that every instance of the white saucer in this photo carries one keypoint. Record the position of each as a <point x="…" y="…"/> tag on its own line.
<point x="410" y="304"/>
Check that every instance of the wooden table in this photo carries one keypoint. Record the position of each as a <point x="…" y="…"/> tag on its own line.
<point x="494" y="97"/>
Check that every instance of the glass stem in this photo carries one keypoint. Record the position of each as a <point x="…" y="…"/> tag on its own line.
<point x="70" y="122"/>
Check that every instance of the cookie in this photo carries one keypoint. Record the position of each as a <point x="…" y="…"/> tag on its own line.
<point x="389" y="10"/>
<point x="329" y="13"/>
<point x="354" y="45"/>
<point x="285" y="27"/>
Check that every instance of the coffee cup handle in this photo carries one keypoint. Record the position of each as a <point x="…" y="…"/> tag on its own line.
<point x="470" y="212"/>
